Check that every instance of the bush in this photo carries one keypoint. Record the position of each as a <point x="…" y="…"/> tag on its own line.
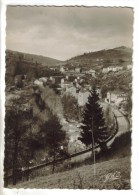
<point x="121" y="141"/>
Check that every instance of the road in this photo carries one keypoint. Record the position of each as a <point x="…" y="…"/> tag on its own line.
<point x="123" y="124"/>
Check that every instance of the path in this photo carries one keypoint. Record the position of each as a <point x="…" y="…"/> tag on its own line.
<point x="123" y="124"/>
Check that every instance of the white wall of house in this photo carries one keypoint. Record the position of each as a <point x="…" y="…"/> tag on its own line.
<point x="39" y="83"/>
<point x="77" y="70"/>
<point x="91" y="72"/>
<point x="62" y="69"/>
<point x="72" y="91"/>
<point x="83" y="98"/>
<point x="112" y="68"/>
<point x="129" y="66"/>
<point x="43" y="79"/>
<point x="115" y="98"/>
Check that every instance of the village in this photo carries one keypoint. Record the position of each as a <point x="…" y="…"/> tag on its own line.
<point x="78" y="82"/>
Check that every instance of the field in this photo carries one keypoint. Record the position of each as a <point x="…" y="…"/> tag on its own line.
<point x="112" y="174"/>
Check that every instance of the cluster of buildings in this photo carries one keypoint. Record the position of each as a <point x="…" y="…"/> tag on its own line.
<point x="112" y="69"/>
<point x="81" y="94"/>
<point x="74" y="86"/>
<point x="73" y="82"/>
<point x="116" y="98"/>
<point x="115" y="68"/>
<point x="77" y="70"/>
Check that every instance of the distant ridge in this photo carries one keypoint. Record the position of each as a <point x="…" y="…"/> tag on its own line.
<point x="123" y="48"/>
<point x="107" y="55"/>
<point x="100" y="53"/>
<point x="45" y="61"/>
<point x="117" y="54"/>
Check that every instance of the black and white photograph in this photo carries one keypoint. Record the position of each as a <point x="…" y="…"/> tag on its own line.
<point x="68" y="97"/>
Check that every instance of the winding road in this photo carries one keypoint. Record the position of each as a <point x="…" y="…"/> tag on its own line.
<point x="123" y="124"/>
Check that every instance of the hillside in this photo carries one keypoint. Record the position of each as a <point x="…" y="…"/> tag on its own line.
<point x="45" y="61"/>
<point x="116" y="56"/>
<point x="33" y="66"/>
<point x="83" y="178"/>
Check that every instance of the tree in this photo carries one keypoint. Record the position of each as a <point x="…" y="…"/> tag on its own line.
<point x="52" y="137"/>
<point x="71" y="107"/>
<point x="15" y="128"/>
<point x="128" y="105"/>
<point x="104" y="91"/>
<point x="121" y="61"/>
<point x="108" y="115"/>
<point x="93" y="126"/>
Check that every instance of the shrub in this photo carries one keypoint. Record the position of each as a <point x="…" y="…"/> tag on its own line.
<point x="121" y="141"/>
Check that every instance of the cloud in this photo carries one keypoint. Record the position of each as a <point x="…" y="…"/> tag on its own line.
<point x="63" y="32"/>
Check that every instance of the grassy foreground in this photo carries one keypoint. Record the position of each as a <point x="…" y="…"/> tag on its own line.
<point x="112" y="174"/>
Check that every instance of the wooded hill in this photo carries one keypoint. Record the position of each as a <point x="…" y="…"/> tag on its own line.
<point x="107" y="57"/>
<point x="45" y="61"/>
<point x="33" y="66"/>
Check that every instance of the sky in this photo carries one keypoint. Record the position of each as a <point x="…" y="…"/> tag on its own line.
<point x="64" y="32"/>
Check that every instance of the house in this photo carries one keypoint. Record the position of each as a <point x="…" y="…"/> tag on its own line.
<point x="77" y="69"/>
<point x="39" y="83"/>
<point x="108" y="97"/>
<point x="98" y="90"/>
<point x="130" y="85"/>
<point x="62" y="69"/>
<point x="62" y="83"/>
<point x="118" y="68"/>
<point x="83" y="97"/>
<point x="123" y="96"/>
<point x="116" y="97"/>
<point x="129" y="67"/>
<point x="71" y="70"/>
<point x="65" y="83"/>
<point x="112" y="68"/>
<point x="115" y="68"/>
<point x="106" y="70"/>
<point x="52" y="79"/>
<point x="67" y="77"/>
<point x="92" y="72"/>
<point x="87" y="87"/>
<point x="52" y="68"/>
<point x="44" y="80"/>
<point x="72" y="91"/>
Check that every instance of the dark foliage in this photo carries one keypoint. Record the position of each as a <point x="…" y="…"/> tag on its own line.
<point x="15" y="130"/>
<point x="104" y="91"/>
<point x="52" y="137"/>
<point x="93" y="122"/>
<point x="40" y="103"/>
<point x="121" y="141"/>
<point x="71" y="108"/>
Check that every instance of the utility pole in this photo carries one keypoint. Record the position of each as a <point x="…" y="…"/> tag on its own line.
<point x="93" y="149"/>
